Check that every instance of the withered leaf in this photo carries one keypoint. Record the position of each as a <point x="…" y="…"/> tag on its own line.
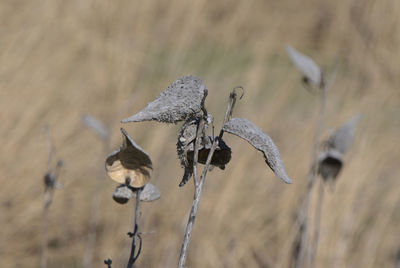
<point x="130" y="164"/>
<point x="123" y="193"/>
<point x="182" y="99"/>
<point x="251" y="133"/>
<point x="306" y="66"/>
<point x="96" y="126"/>
<point x="149" y="193"/>
<point x="342" y="138"/>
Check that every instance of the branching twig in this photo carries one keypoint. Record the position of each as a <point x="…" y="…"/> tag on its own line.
<point x="135" y="235"/>
<point x="198" y="184"/>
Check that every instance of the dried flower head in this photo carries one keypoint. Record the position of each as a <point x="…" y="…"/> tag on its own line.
<point x="130" y="164"/>
<point x="183" y="99"/>
<point x="306" y="66"/>
<point x="246" y="130"/>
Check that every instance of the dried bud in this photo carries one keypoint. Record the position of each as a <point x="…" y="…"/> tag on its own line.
<point x="248" y="131"/>
<point x="329" y="164"/>
<point x="306" y="66"/>
<point x="342" y="138"/>
<point x="184" y="98"/>
<point x="122" y="194"/>
<point x="130" y="164"/>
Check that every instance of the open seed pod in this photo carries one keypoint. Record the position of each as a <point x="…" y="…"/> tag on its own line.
<point x="184" y="98"/>
<point x="329" y="164"/>
<point x="246" y="130"/>
<point x="220" y="158"/>
<point x="130" y="164"/>
<point x="306" y="66"/>
<point x="123" y="193"/>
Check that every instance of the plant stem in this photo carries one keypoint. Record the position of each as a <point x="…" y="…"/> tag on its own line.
<point x="317" y="224"/>
<point x="135" y="234"/>
<point x="198" y="184"/>
<point x="304" y="247"/>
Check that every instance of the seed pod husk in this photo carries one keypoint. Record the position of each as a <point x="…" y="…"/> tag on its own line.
<point x="130" y="164"/>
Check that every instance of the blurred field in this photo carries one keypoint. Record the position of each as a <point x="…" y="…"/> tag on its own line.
<point x="60" y="59"/>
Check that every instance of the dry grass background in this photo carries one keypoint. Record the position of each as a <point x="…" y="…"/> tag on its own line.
<point x="60" y="59"/>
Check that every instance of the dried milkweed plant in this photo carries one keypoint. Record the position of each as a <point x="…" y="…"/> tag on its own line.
<point x="131" y="167"/>
<point x="184" y="101"/>
<point x="327" y="163"/>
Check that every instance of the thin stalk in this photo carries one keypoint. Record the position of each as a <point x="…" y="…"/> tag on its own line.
<point x="317" y="224"/>
<point x="198" y="185"/>
<point x="135" y="235"/>
<point x="304" y="247"/>
<point x="46" y="206"/>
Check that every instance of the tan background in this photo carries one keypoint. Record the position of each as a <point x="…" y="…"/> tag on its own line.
<point x="60" y="59"/>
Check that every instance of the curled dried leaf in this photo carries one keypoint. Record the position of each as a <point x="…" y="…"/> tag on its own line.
<point x="130" y="164"/>
<point x="342" y="138"/>
<point x="183" y="99"/>
<point x="149" y="193"/>
<point x="96" y="126"/>
<point x="246" y="130"/>
<point x="329" y="164"/>
<point x="306" y="66"/>
<point x="123" y="193"/>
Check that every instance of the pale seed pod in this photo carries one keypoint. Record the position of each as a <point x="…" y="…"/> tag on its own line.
<point x="183" y="99"/>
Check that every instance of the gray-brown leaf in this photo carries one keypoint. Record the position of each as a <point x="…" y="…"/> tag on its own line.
<point x="182" y="99"/>
<point x="251" y="133"/>
<point x="342" y="138"/>
<point x="305" y="65"/>
<point x="130" y="164"/>
<point x="96" y="126"/>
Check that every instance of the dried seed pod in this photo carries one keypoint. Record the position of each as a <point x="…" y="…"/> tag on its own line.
<point x="183" y="99"/>
<point x="96" y="126"/>
<point x="248" y="131"/>
<point x="342" y="138"/>
<point x="221" y="156"/>
<point x="306" y="66"/>
<point x="122" y="194"/>
<point x="329" y="164"/>
<point x="130" y="164"/>
<point x="185" y="148"/>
